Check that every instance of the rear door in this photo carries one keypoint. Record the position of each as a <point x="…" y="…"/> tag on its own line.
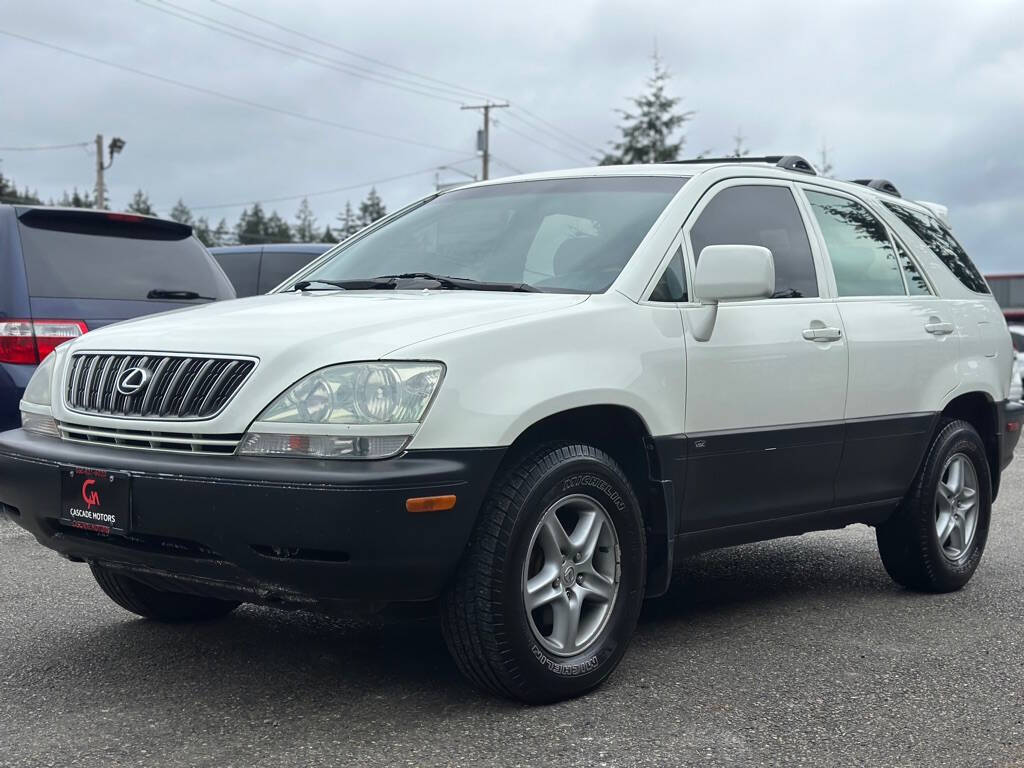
<point x="765" y="393"/>
<point x="902" y="345"/>
<point x="101" y="267"/>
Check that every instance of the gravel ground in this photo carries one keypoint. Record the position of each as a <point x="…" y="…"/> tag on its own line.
<point x="799" y="651"/>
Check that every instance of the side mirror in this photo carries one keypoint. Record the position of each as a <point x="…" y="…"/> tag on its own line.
<point x="732" y="272"/>
<point x="728" y="273"/>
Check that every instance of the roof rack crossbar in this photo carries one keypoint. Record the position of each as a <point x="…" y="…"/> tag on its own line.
<point x="786" y="162"/>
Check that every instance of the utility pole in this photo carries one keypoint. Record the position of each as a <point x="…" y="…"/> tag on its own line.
<point x="483" y="137"/>
<point x="116" y="145"/>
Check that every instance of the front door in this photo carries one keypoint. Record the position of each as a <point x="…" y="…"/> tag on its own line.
<point x="767" y="391"/>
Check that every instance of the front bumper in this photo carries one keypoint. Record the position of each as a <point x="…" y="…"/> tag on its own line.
<point x="286" y="531"/>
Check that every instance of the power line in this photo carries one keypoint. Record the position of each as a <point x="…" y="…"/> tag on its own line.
<point x="501" y="162"/>
<point x="226" y="96"/>
<point x="349" y="52"/>
<point x="289" y="50"/>
<point x="334" y="190"/>
<point x="44" y="147"/>
<point x="548" y="147"/>
<point x="554" y="127"/>
<point x="573" y="146"/>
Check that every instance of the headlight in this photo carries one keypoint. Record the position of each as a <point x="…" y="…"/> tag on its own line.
<point x="356" y="410"/>
<point x="35" y="403"/>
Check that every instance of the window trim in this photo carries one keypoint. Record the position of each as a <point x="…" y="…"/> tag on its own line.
<point x="690" y="259"/>
<point x="659" y="271"/>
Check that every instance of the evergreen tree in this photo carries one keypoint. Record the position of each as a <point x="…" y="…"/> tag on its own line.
<point x="201" y="229"/>
<point x="9" y="193"/>
<point x="222" y="234"/>
<point x="181" y="213"/>
<point x="77" y="200"/>
<point x="349" y="222"/>
<point x="277" y="230"/>
<point x="305" y="223"/>
<point x="328" y="236"/>
<point x="372" y="208"/>
<point x="825" y="166"/>
<point x="739" y="146"/>
<point x="252" y="226"/>
<point x="140" y="204"/>
<point x="648" y="131"/>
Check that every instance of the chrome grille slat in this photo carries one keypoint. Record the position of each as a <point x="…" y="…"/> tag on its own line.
<point x="147" y="401"/>
<point x="131" y="439"/>
<point x="103" y="383"/>
<point x="180" y="387"/>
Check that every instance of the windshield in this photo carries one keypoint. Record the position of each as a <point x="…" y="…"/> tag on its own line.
<point x="562" y="235"/>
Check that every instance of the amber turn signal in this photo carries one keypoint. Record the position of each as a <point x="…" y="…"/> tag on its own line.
<point x="430" y="503"/>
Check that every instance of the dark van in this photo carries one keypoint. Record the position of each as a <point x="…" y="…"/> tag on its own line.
<point x="255" y="269"/>
<point x="65" y="271"/>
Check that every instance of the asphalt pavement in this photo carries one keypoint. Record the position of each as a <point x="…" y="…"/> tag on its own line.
<point x="794" y="652"/>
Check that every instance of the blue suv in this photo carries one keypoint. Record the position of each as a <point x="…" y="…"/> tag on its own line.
<point x="65" y="271"/>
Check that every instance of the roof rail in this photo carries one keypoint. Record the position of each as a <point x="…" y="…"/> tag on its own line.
<point x="786" y="162"/>
<point x="882" y="185"/>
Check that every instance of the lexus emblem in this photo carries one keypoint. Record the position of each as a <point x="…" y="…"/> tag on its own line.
<point x="133" y="381"/>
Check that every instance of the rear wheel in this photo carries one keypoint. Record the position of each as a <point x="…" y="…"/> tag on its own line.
<point x="150" y="603"/>
<point x="549" y="592"/>
<point x="935" y="540"/>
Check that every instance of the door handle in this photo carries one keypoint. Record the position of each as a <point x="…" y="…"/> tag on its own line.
<point x="938" y="328"/>
<point x="823" y="334"/>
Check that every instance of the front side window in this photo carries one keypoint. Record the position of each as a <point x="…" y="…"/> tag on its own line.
<point x="940" y="241"/>
<point x="862" y="256"/>
<point x="559" y="235"/>
<point x="672" y="285"/>
<point x="761" y="215"/>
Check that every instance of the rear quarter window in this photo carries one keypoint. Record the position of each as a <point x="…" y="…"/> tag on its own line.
<point x="940" y="241"/>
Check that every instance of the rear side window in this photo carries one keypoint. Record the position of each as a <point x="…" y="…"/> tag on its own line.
<point x="97" y="256"/>
<point x="277" y="265"/>
<point x="940" y="240"/>
<point x="862" y="256"/>
<point x="242" y="268"/>
<point x="766" y="216"/>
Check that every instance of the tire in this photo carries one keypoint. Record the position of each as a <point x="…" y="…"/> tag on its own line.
<point x="510" y="651"/>
<point x="150" y="603"/>
<point x="909" y="542"/>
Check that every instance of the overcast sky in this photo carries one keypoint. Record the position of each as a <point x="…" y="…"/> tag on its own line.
<point x="927" y="94"/>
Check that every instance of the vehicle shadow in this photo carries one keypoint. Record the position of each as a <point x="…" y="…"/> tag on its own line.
<point x="268" y="657"/>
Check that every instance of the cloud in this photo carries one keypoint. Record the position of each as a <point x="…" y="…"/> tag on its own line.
<point x="926" y="94"/>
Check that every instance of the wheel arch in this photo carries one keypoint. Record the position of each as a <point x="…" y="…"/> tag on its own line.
<point x="622" y="433"/>
<point x="979" y="410"/>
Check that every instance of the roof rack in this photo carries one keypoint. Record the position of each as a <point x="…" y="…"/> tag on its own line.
<point x="786" y="162"/>
<point x="882" y="185"/>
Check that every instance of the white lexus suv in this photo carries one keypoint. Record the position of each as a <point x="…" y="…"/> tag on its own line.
<point x="524" y="399"/>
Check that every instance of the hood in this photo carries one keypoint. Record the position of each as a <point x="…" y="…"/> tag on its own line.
<point x="320" y="328"/>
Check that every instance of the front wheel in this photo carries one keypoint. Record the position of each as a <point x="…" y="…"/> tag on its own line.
<point x="549" y="592"/>
<point x="935" y="540"/>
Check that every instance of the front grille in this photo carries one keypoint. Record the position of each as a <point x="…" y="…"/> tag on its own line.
<point x="178" y="386"/>
<point x="176" y="442"/>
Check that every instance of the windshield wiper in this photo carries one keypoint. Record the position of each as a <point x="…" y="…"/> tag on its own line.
<point x="346" y="285"/>
<point x="462" y="283"/>
<point x="390" y="282"/>
<point x="160" y="293"/>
